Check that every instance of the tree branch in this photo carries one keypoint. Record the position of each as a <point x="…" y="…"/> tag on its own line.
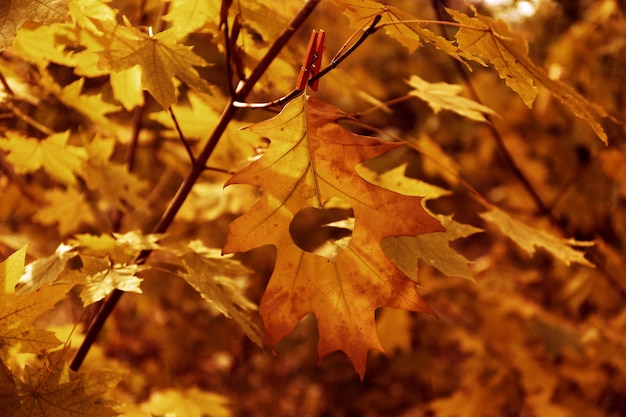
<point x="242" y="90"/>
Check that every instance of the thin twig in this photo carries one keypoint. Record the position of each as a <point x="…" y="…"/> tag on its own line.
<point x="198" y="167"/>
<point x="131" y="151"/>
<point x="339" y="59"/>
<point x="29" y="120"/>
<point x="433" y="22"/>
<point x="227" y="44"/>
<point x="181" y="136"/>
<point x="6" y="85"/>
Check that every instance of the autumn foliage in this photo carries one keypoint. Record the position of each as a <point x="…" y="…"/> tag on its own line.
<point x="444" y="215"/>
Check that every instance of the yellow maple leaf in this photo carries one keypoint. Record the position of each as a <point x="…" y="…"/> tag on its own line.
<point x="444" y="96"/>
<point x="126" y="87"/>
<point x="8" y="392"/>
<point x="399" y="25"/>
<point x="191" y="402"/>
<point x="100" y="277"/>
<point x="312" y="160"/>
<point x="432" y="248"/>
<point x="528" y="238"/>
<point x="40" y="45"/>
<point x="15" y="12"/>
<point x="215" y="276"/>
<point x="159" y="57"/>
<point x="17" y="312"/>
<point x="186" y="16"/>
<point x="50" y="389"/>
<point x="493" y="41"/>
<point x="53" y="154"/>
<point x="118" y="186"/>
<point x="67" y="208"/>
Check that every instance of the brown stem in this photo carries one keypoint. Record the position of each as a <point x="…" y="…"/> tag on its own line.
<point x="198" y="167"/>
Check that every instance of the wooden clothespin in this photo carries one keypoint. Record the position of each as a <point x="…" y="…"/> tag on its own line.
<point x="312" y="60"/>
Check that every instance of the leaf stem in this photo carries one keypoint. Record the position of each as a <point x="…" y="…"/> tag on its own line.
<point x="434" y="22"/>
<point x="242" y="90"/>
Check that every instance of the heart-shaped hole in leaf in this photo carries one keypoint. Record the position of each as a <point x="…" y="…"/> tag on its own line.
<point x="325" y="231"/>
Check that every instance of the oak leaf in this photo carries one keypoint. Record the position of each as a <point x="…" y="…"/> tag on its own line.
<point x="312" y="160"/>
<point x="444" y="96"/>
<point x="13" y="13"/>
<point x="493" y="41"/>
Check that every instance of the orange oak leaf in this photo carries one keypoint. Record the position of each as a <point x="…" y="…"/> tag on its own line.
<point x="312" y="160"/>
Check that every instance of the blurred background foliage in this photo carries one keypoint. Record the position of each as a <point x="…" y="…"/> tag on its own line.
<point x="530" y="337"/>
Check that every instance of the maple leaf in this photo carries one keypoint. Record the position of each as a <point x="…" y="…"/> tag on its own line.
<point x="17" y="312"/>
<point x="312" y="160"/>
<point x="13" y="13"/>
<point x="51" y="389"/>
<point x="68" y="208"/>
<point x="399" y="25"/>
<point x="159" y="57"/>
<point x="446" y="96"/>
<point x="8" y="392"/>
<point x="90" y="105"/>
<point x="53" y="154"/>
<point x="40" y="44"/>
<point x="433" y="248"/>
<point x="494" y="42"/>
<point x="44" y="271"/>
<point x="186" y="16"/>
<point x="126" y="87"/>
<point x="119" y="247"/>
<point x="528" y="238"/>
<point x="98" y="275"/>
<point x="214" y="277"/>
<point x="191" y="402"/>
<point x="113" y="181"/>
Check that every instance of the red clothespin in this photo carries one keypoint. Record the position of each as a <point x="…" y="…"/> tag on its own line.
<point x="312" y="60"/>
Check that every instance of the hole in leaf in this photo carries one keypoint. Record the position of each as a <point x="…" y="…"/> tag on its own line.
<point x="325" y="231"/>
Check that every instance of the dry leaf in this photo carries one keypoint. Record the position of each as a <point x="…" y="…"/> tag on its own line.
<point x="444" y="96"/>
<point x="493" y="41"/>
<point x="15" y="12"/>
<point x="528" y="238"/>
<point x="310" y="161"/>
